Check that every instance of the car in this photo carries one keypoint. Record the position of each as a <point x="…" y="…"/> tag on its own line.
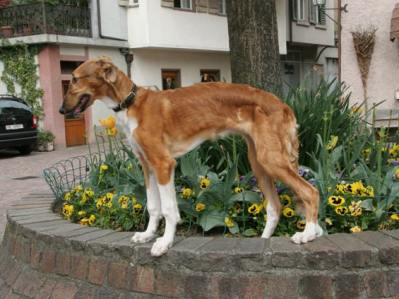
<point x="18" y="125"/>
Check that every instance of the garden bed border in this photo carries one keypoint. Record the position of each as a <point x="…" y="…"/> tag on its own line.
<point x="43" y="255"/>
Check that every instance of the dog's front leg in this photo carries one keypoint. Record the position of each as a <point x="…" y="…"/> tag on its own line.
<point x="171" y="213"/>
<point x="154" y="210"/>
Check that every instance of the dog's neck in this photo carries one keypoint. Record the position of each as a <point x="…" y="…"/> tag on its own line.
<point x="120" y="90"/>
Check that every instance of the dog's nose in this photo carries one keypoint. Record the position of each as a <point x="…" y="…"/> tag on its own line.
<point x="62" y="110"/>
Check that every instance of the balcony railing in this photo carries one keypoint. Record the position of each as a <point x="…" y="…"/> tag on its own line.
<point x="42" y="18"/>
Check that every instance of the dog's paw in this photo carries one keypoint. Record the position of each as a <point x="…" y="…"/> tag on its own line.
<point x="143" y="237"/>
<point x="309" y="234"/>
<point x="160" y="247"/>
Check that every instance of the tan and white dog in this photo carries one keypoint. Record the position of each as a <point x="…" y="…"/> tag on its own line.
<point x="167" y="124"/>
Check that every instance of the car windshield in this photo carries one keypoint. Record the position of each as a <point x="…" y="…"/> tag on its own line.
<point x="12" y="104"/>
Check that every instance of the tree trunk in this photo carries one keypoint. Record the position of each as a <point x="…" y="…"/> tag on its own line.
<point x="254" y="49"/>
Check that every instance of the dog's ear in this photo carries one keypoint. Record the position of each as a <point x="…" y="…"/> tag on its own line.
<point x="108" y="70"/>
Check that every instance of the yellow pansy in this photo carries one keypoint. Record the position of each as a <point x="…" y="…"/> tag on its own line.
<point x="238" y="190"/>
<point x="204" y="182"/>
<point x="395" y="217"/>
<point x="199" y="207"/>
<point x="84" y="221"/>
<point x="123" y="201"/>
<point x="137" y="206"/>
<point x="255" y="209"/>
<point x="103" y="168"/>
<point x="68" y="196"/>
<point x="341" y="210"/>
<point x="356" y="229"/>
<point x="187" y="193"/>
<point x="92" y="219"/>
<point x="100" y="202"/>
<point x="355" y="208"/>
<point x="285" y="200"/>
<point x="67" y="210"/>
<point x="288" y="212"/>
<point x="332" y="142"/>
<point x="301" y="224"/>
<point x="336" y="200"/>
<point x="328" y="221"/>
<point x="397" y="173"/>
<point x="229" y="222"/>
<point x="82" y="213"/>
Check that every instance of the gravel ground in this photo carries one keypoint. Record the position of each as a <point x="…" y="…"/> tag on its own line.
<point x="21" y="175"/>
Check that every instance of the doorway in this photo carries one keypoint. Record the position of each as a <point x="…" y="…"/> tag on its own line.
<point x="170" y="79"/>
<point x="75" y="128"/>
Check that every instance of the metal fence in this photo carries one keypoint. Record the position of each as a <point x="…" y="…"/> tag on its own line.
<point x="44" y="18"/>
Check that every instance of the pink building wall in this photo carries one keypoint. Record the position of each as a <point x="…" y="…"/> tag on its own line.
<point x="50" y="81"/>
<point x="383" y="78"/>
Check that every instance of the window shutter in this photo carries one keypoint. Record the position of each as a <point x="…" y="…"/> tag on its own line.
<point x="294" y="5"/>
<point x="167" y="3"/>
<point x="312" y="13"/>
<point x="322" y="14"/>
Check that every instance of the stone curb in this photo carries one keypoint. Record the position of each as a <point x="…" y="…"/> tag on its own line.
<point x="57" y="255"/>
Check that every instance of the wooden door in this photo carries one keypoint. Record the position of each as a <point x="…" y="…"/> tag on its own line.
<point x="75" y="129"/>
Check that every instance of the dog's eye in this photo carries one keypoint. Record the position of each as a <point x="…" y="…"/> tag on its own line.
<point x="74" y="80"/>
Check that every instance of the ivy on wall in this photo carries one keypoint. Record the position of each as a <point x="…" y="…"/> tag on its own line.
<point x="20" y="68"/>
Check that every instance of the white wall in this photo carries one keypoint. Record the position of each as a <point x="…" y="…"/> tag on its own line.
<point x="152" y="26"/>
<point x="384" y="70"/>
<point x="148" y="64"/>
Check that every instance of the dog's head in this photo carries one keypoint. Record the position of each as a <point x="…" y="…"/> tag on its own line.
<point x="90" y="81"/>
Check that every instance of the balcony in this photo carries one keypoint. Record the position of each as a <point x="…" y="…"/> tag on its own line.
<point x="44" y="18"/>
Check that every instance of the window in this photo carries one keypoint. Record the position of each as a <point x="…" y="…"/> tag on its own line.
<point x="317" y="14"/>
<point x="210" y="75"/>
<point x="170" y="79"/>
<point x="222" y="7"/>
<point x="184" y="4"/>
<point x="300" y="10"/>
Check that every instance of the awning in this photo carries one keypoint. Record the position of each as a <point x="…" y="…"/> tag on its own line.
<point x="395" y="23"/>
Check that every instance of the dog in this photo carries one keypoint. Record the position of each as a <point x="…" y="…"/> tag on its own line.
<point x="163" y="125"/>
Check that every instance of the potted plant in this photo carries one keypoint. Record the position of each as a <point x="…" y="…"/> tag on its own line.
<point x="45" y="141"/>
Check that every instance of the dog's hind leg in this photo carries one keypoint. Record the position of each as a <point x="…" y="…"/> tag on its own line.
<point x="266" y="184"/>
<point x="164" y="169"/>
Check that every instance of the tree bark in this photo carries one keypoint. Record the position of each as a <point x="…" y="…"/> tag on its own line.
<point x="254" y="49"/>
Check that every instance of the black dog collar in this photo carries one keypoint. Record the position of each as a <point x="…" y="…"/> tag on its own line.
<point x="129" y="100"/>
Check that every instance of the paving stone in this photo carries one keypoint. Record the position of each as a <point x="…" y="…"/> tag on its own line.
<point x="86" y="292"/>
<point x="355" y="253"/>
<point x="64" y="290"/>
<point x="98" y="271"/>
<point x="46" y="289"/>
<point x="253" y="255"/>
<point x="286" y="254"/>
<point x="38" y="219"/>
<point x="316" y="287"/>
<point x="79" y="266"/>
<point x="376" y="284"/>
<point x="28" y="283"/>
<point x="141" y="279"/>
<point x="388" y="248"/>
<point x="117" y="275"/>
<point x="62" y="263"/>
<point x="124" y="247"/>
<point x="218" y="256"/>
<point x="238" y="287"/>
<point x="92" y="235"/>
<point x="348" y="286"/>
<point x="47" y="260"/>
<point x="321" y="254"/>
<point x="393" y="283"/>
<point x="105" y="243"/>
<point x="27" y="212"/>
<point x="392" y="233"/>
<point x="284" y="285"/>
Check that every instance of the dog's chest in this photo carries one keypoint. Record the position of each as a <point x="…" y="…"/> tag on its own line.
<point x="128" y="126"/>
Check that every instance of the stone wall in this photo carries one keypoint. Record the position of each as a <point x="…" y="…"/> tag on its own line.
<point x="43" y="255"/>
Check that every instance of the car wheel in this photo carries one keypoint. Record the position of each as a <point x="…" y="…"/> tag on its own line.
<point x="25" y="150"/>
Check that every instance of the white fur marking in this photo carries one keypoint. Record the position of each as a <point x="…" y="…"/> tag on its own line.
<point x="272" y="221"/>
<point x="171" y="213"/>
<point x="312" y="231"/>
<point x="154" y="209"/>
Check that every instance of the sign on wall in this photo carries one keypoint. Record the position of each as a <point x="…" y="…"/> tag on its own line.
<point x="112" y="19"/>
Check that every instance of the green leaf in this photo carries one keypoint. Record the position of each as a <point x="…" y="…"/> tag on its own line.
<point x="248" y="196"/>
<point x="250" y="232"/>
<point x="211" y="219"/>
<point x="367" y="204"/>
<point x="234" y="229"/>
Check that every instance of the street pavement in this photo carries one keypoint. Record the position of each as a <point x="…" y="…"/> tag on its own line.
<point x="22" y="175"/>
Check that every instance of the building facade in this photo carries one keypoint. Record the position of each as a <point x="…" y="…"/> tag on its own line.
<point x="382" y="83"/>
<point x="173" y="43"/>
